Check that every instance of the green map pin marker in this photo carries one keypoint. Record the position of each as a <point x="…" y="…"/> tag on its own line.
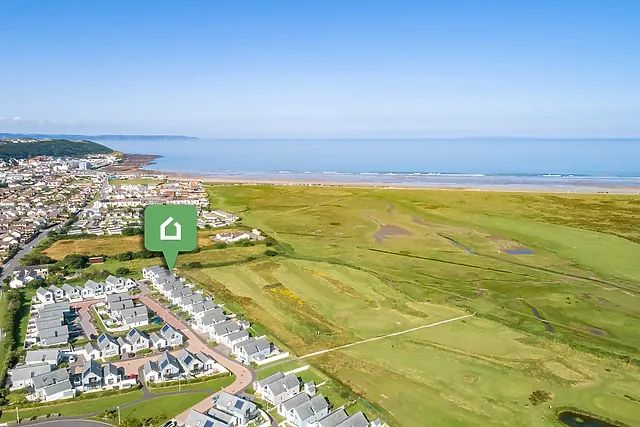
<point x="170" y="229"/>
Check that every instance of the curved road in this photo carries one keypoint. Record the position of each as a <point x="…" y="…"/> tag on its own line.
<point x="245" y="376"/>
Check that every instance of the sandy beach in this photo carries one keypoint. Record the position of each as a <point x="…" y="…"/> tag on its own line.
<point x="135" y="163"/>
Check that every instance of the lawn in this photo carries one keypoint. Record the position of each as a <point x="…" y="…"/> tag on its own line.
<point x="73" y="406"/>
<point x="356" y="263"/>
<point x="169" y="406"/>
<point x="212" y="385"/>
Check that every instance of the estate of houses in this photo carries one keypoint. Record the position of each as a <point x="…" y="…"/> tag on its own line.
<point x="49" y="325"/>
<point x="209" y="318"/>
<point x="41" y="191"/>
<point x="298" y="404"/>
<point x="184" y="364"/>
<point x="44" y="380"/>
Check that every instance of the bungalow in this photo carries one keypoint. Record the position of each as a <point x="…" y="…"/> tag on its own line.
<point x="277" y="388"/>
<point x="167" y="287"/>
<point x="137" y="339"/>
<point x="117" y="308"/>
<point x="94" y="289"/>
<point x="114" y="284"/>
<point x="234" y="338"/>
<point x="225" y="328"/>
<point x="23" y="275"/>
<point x="112" y="299"/>
<point x="252" y="349"/>
<point x="175" y="295"/>
<point x="210" y="319"/>
<point x="209" y="364"/>
<point x="45" y="296"/>
<point x="189" y="362"/>
<point x="157" y="341"/>
<point x="199" y="310"/>
<point x="136" y="316"/>
<point x="22" y="374"/>
<point x="91" y="375"/>
<point x="112" y="375"/>
<point x="58" y="294"/>
<point x="61" y="390"/>
<point x="38" y="383"/>
<point x="42" y="324"/>
<point x="166" y="368"/>
<point x="303" y="411"/>
<point x="188" y="301"/>
<point x="92" y="351"/>
<point x="51" y="356"/>
<point x="108" y="346"/>
<point x="71" y="292"/>
<point x="242" y="410"/>
<point x="171" y="336"/>
<point x="54" y="336"/>
<point x="198" y="419"/>
<point x="130" y="284"/>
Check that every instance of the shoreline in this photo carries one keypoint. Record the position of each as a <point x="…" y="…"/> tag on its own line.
<point x="135" y="163"/>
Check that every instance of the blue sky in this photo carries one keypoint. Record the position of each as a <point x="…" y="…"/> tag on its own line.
<point x="277" y="68"/>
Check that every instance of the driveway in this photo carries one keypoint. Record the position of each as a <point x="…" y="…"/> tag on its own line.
<point x="84" y="308"/>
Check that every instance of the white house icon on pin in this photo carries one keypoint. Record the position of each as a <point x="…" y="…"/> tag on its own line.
<point x="163" y="230"/>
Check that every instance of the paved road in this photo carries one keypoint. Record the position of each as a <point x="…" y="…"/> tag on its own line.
<point x="245" y="376"/>
<point x="9" y="266"/>
<point x="66" y="422"/>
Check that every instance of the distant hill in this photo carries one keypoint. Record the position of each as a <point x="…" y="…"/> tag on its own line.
<point x="98" y="137"/>
<point x="53" y="147"/>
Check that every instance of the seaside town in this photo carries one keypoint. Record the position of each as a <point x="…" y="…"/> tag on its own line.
<point x="150" y="330"/>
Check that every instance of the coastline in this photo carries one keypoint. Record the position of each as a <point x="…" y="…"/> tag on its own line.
<point x="137" y="163"/>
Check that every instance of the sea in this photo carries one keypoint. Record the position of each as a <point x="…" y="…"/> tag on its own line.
<point x="592" y="164"/>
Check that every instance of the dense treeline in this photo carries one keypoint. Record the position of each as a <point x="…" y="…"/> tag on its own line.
<point x="54" y="148"/>
<point x="10" y="324"/>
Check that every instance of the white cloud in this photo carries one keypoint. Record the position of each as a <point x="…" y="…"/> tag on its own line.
<point x="16" y="119"/>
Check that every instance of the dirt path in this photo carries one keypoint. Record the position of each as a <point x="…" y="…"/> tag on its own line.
<point x="406" y="331"/>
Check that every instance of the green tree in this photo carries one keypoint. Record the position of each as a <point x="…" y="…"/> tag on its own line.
<point x="75" y="261"/>
<point x="122" y="271"/>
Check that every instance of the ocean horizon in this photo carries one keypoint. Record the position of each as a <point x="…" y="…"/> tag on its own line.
<point x="595" y="163"/>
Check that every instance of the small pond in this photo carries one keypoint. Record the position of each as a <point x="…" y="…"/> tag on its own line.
<point x="573" y="419"/>
<point x="519" y="252"/>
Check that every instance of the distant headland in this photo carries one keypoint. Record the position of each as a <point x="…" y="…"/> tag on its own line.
<point x="106" y="137"/>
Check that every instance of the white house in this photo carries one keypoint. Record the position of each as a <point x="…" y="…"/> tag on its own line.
<point x="20" y="375"/>
<point x="108" y="346"/>
<point x="45" y="296"/>
<point x="277" y="388"/>
<point x="51" y="356"/>
<point x="171" y="336"/>
<point x="94" y="289"/>
<point x="234" y="338"/>
<point x="71" y="292"/>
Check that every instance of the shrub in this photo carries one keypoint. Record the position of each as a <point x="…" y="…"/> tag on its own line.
<point x="220" y="245"/>
<point x="194" y="264"/>
<point x="270" y="252"/>
<point x="539" y="397"/>
<point x="122" y="271"/>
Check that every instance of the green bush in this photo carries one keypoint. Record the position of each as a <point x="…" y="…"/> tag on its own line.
<point x="270" y="252"/>
<point x="220" y="245"/>
<point x="539" y="397"/>
<point x="122" y="271"/>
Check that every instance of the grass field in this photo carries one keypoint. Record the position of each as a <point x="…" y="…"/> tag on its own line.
<point x="212" y="385"/>
<point x="73" y="407"/>
<point x="169" y="406"/>
<point x="362" y="262"/>
<point x="94" y="246"/>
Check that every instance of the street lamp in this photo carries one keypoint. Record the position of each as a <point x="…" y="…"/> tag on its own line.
<point x="118" y="408"/>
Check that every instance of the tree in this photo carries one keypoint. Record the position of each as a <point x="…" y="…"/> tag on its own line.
<point x="36" y="259"/>
<point x="75" y="261"/>
<point x="122" y="271"/>
<point x="270" y="241"/>
<point x="124" y="256"/>
<point x="270" y="252"/>
<point x="35" y="284"/>
<point x="131" y="231"/>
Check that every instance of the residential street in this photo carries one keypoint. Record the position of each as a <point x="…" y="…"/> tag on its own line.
<point x="14" y="262"/>
<point x="85" y="316"/>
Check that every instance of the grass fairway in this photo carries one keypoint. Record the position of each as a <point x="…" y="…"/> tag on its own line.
<point x="357" y="263"/>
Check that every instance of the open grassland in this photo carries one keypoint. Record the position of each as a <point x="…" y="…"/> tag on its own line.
<point x="113" y="245"/>
<point x="356" y="263"/>
<point x="95" y="246"/>
<point x="168" y="406"/>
